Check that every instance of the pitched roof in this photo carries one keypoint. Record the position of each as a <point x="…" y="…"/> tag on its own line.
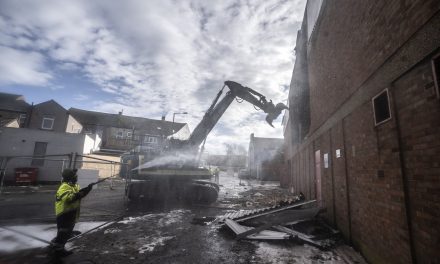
<point x="261" y="142"/>
<point x="146" y="125"/>
<point x="13" y="102"/>
<point x="50" y="102"/>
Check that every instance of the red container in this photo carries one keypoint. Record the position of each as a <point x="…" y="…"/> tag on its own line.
<point x="26" y="175"/>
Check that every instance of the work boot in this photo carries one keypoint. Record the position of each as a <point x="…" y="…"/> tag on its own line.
<point x="61" y="253"/>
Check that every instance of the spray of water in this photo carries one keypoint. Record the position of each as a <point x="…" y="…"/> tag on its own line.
<point x="175" y="160"/>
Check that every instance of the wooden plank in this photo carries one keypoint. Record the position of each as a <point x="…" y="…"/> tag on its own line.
<point x="276" y="210"/>
<point x="259" y="235"/>
<point x="299" y="235"/>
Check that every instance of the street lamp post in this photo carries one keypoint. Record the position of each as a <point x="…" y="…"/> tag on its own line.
<point x="174" y="115"/>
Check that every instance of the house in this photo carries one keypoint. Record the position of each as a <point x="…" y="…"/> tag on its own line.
<point x="51" y="116"/>
<point x="21" y="146"/>
<point x="13" y="107"/>
<point x="121" y="133"/>
<point x="363" y="129"/>
<point x="264" y="158"/>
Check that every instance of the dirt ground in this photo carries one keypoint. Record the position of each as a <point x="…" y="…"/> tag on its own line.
<point x="168" y="235"/>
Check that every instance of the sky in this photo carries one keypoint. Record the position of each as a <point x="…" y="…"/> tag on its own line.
<point x="152" y="58"/>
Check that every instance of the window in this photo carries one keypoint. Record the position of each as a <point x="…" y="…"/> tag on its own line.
<point x="39" y="150"/>
<point x="120" y="134"/>
<point x="129" y="133"/>
<point x="381" y="108"/>
<point x="136" y="137"/>
<point x="22" y="120"/>
<point x="47" y="123"/>
<point x="150" y="140"/>
<point x="436" y="74"/>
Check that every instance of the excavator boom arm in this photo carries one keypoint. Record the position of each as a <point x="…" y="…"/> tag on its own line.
<point x="218" y="108"/>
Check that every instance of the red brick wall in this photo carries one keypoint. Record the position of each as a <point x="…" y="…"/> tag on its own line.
<point x="340" y="180"/>
<point x="378" y="219"/>
<point x="418" y="112"/>
<point x="323" y="144"/>
<point x="301" y="175"/>
<point x="387" y="179"/>
<point x="353" y="39"/>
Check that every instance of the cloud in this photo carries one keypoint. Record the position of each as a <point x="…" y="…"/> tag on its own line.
<point x="22" y="67"/>
<point x="161" y="56"/>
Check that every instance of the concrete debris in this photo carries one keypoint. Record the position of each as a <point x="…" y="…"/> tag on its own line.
<point x="286" y="221"/>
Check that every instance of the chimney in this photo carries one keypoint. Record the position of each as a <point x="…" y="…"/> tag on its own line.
<point x="120" y="112"/>
<point x="252" y="136"/>
<point x="163" y="118"/>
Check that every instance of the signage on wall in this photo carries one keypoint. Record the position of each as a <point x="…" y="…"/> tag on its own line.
<point x="326" y="160"/>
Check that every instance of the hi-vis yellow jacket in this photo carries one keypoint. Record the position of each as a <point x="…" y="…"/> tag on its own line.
<point x="64" y="199"/>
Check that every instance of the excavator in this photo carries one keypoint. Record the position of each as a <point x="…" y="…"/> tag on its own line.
<point x="176" y="175"/>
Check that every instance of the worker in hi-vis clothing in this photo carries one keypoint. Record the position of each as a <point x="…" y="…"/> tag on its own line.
<point x="67" y="206"/>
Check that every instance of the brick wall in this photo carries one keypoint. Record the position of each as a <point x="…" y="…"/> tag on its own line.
<point x="340" y="190"/>
<point x="383" y="192"/>
<point x="377" y="209"/>
<point x="353" y="39"/>
<point x="418" y="113"/>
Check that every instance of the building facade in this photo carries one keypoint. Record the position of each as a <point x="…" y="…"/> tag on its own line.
<point x="121" y="133"/>
<point x="264" y="158"/>
<point x="51" y="116"/>
<point x="14" y="110"/>
<point x="21" y="145"/>
<point x="363" y="129"/>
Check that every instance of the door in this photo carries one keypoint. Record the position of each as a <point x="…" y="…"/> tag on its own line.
<point x="39" y="150"/>
<point x="318" y="176"/>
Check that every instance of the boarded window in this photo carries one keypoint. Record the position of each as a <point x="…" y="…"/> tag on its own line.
<point x="39" y="150"/>
<point x="47" y="123"/>
<point x="436" y="74"/>
<point x="381" y="108"/>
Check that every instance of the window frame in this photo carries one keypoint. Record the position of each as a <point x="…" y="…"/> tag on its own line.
<point x="129" y="134"/>
<point x="119" y="134"/>
<point x="434" y="74"/>
<point x="150" y="139"/>
<point x="389" y="107"/>
<point x="48" y="118"/>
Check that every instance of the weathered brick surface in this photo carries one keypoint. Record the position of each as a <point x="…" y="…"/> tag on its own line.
<point x="353" y="39"/>
<point x="418" y="111"/>
<point x="377" y="209"/>
<point x="326" y="176"/>
<point x="340" y="180"/>
<point x="359" y="49"/>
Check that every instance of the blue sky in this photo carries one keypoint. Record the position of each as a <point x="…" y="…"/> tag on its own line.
<point x="151" y="58"/>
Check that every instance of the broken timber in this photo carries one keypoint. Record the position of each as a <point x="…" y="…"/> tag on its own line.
<point x="261" y="235"/>
<point x="241" y="216"/>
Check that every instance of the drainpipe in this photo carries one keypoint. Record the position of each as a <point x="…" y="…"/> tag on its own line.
<point x="405" y="181"/>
